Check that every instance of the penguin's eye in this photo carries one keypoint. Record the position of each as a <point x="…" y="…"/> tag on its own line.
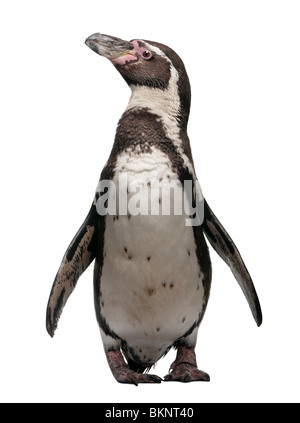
<point x="147" y="54"/>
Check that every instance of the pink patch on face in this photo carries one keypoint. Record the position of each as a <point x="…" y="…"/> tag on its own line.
<point x="126" y="58"/>
<point x="137" y="48"/>
<point x="131" y="56"/>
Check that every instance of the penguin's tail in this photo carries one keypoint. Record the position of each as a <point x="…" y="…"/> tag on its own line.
<point x="137" y="367"/>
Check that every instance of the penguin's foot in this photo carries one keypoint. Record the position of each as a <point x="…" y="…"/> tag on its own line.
<point x="123" y="373"/>
<point x="185" y="372"/>
<point x="184" y="368"/>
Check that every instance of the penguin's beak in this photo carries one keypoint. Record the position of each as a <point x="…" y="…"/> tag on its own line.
<point x="118" y="51"/>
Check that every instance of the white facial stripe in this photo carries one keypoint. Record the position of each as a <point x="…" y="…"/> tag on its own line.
<point x="164" y="103"/>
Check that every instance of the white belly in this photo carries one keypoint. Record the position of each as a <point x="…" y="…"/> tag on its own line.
<point x="151" y="283"/>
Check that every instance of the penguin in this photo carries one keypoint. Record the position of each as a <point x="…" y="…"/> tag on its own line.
<point x="152" y="271"/>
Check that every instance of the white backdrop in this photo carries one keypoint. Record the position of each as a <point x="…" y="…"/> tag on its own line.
<point x="60" y="104"/>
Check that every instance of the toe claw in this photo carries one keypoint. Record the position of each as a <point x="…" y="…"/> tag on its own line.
<point x="155" y="379"/>
<point x="187" y="378"/>
<point x="206" y="377"/>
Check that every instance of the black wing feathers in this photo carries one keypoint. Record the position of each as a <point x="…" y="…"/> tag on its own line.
<point x="79" y="255"/>
<point x="225" y="247"/>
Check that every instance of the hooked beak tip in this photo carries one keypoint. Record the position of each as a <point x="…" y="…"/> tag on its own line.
<point x="108" y="46"/>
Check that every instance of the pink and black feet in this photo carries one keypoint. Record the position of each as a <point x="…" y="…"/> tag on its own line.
<point x="128" y="373"/>
<point x="184" y="368"/>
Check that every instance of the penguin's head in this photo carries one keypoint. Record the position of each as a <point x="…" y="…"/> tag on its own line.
<point x="148" y="67"/>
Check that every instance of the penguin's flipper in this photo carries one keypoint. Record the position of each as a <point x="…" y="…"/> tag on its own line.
<point x="225" y="247"/>
<point x="79" y="255"/>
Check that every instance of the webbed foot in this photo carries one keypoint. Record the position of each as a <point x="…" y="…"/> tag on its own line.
<point x="184" y="368"/>
<point x="123" y="373"/>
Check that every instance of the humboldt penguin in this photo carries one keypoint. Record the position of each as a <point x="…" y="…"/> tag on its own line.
<point x="147" y="227"/>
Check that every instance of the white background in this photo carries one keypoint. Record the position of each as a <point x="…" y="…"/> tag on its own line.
<point x="60" y="104"/>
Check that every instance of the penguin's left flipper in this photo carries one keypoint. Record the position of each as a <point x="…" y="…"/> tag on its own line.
<point x="227" y="250"/>
<point x="79" y="255"/>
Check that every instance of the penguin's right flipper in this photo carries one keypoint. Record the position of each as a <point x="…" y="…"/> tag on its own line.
<point x="227" y="250"/>
<point x="79" y="255"/>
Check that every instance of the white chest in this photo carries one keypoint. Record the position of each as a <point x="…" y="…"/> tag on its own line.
<point x="151" y="283"/>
